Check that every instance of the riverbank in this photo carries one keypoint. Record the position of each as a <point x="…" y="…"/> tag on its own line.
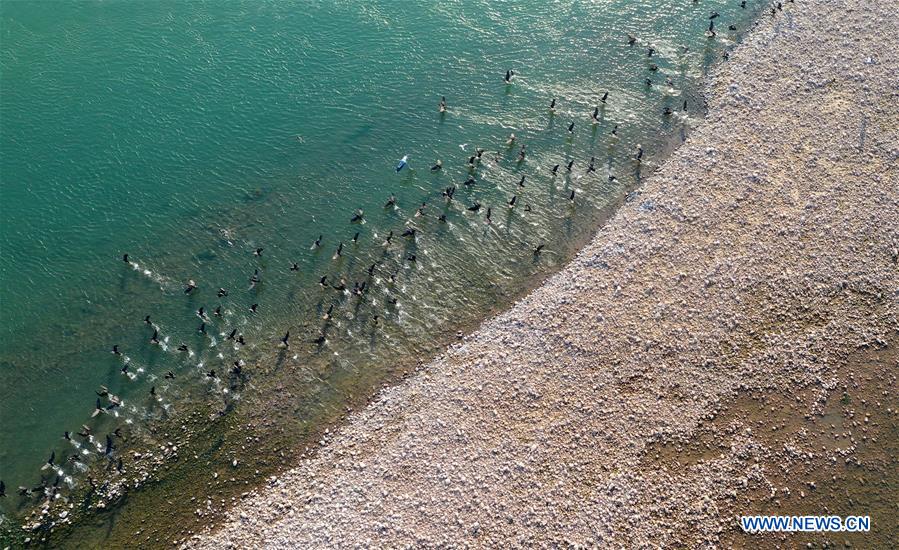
<point x="750" y="268"/>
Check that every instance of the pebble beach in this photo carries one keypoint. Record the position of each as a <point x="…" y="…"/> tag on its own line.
<point x="724" y="345"/>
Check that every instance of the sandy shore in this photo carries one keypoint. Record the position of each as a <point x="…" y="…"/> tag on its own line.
<point x="699" y="359"/>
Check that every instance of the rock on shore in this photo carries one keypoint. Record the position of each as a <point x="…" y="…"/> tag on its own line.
<point x="756" y="259"/>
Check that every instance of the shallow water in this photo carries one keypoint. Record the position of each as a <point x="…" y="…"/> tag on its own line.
<point x="187" y="135"/>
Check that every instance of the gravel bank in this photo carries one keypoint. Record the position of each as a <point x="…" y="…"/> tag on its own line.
<point x="756" y="261"/>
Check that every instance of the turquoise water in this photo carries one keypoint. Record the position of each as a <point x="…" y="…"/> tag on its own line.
<point x="189" y="134"/>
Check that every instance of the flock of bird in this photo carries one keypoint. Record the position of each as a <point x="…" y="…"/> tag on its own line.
<point x="88" y="444"/>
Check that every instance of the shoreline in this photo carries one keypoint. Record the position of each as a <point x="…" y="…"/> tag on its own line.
<point x="121" y="509"/>
<point x="537" y="426"/>
<point x="120" y="512"/>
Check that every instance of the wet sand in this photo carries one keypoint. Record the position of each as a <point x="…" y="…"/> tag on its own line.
<point x="705" y="356"/>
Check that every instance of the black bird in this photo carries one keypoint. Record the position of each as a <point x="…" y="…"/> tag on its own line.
<point x="650" y="52"/>
<point x="183" y="347"/>
<point x="339" y="250"/>
<point x="201" y="313"/>
<point x="555" y="169"/>
<point x="591" y="167"/>
<point x="571" y="196"/>
<point x="552" y="105"/>
<point x="570" y="164"/>
<point x="319" y="340"/>
<point x="615" y="130"/>
<point x="118" y="465"/>
<point x="103" y="392"/>
<point x="538" y="249"/>
<point x="649" y="82"/>
<point x="318" y="242"/>
<point x="512" y="201"/>
<point x="714" y="15"/>
<point x="258" y="252"/>
<point x="371" y="269"/>
<point x="113" y="402"/>
<point x="222" y="293"/>
<point x="211" y="374"/>
<point x="631" y="39"/>
<point x="147" y="320"/>
<point x="231" y="336"/>
<point x="389" y="237"/>
<point x="711" y="31"/>
<point x="50" y="461"/>
<point x="732" y="27"/>
<point x="218" y="311"/>
<point x="469" y="181"/>
<point x="254" y="280"/>
<point x="409" y="232"/>
<point x="170" y="375"/>
<point x="152" y="390"/>
<point x="521" y="181"/>
<point x="356" y="236"/>
<point x="639" y="154"/>
<point x="191" y="286"/>
<point x="327" y="314"/>
<point x="85" y="431"/>
<point x="115" y="350"/>
<point x="442" y="218"/>
<point x="124" y="368"/>
<point x="67" y="436"/>
<point x="295" y="267"/>
<point x="411" y="258"/>
<point x="323" y="281"/>
<point x="2" y="488"/>
<point x="571" y="127"/>
<point x="437" y="166"/>
<point x="284" y="341"/>
<point x="357" y="217"/>
<point x="155" y="338"/>
<point x="125" y="258"/>
<point x="254" y="307"/>
<point x="240" y="340"/>
<point x="475" y="207"/>
<point x="604" y="97"/>
<point x="509" y="74"/>
<point x="743" y="4"/>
